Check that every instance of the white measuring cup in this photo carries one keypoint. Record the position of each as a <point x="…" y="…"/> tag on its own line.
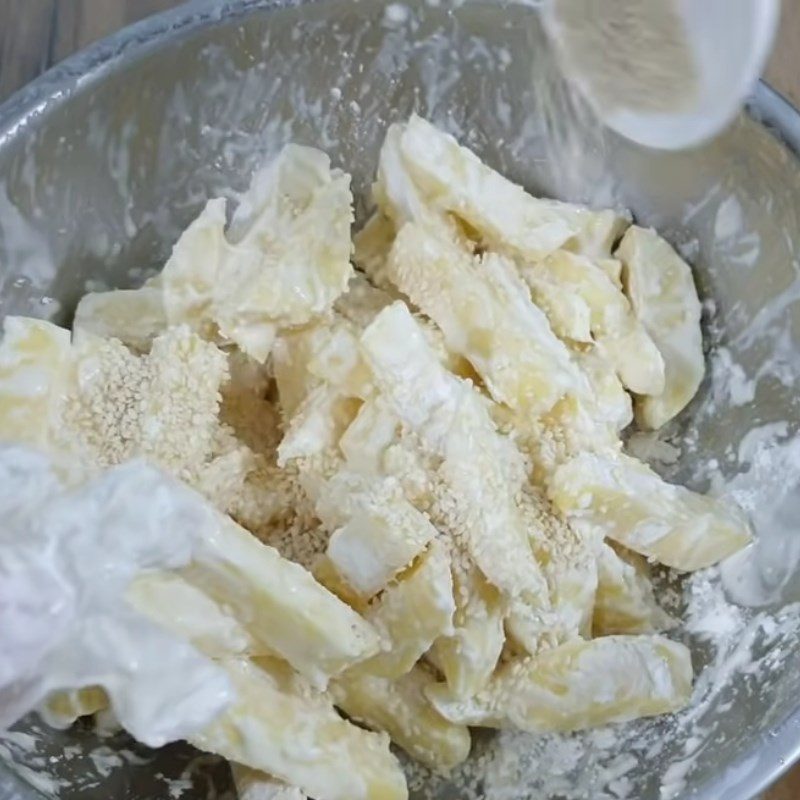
<point x="730" y="41"/>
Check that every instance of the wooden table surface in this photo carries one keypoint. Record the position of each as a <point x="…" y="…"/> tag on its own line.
<point x="34" y="34"/>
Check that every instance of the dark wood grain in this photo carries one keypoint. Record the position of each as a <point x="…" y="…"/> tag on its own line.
<point x="80" y="22"/>
<point x="26" y="44"/>
<point x="34" y="34"/>
<point x="784" y="73"/>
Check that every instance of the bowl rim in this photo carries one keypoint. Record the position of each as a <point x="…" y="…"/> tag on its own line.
<point x="116" y="51"/>
<point x="772" y="755"/>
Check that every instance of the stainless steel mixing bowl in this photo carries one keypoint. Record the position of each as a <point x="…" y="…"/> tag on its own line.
<point x="105" y="159"/>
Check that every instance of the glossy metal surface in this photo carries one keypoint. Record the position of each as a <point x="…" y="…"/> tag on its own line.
<point x="105" y="159"/>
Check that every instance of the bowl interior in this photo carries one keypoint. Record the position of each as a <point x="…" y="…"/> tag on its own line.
<point x="104" y="163"/>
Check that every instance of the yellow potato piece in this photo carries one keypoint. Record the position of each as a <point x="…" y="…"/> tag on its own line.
<point x="401" y="709"/>
<point x="363" y="301"/>
<point x="450" y="178"/>
<point x="187" y="611"/>
<point x="567" y="312"/>
<point x="572" y="595"/>
<point x="424" y="171"/>
<point x="254" y="785"/>
<point x="345" y="494"/>
<point x="378" y="532"/>
<point x="569" y="564"/>
<point x="613" y="268"/>
<point x="338" y="361"/>
<point x="375" y="445"/>
<point x="281" y="605"/>
<point x="630" y="349"/>
<point x="398" y="199"/>
<point x="326" y="574"/>
<point x="134" y="316"/>
<point x="486" y="316"/>
<point x="663" y="295"/>
<point x="291" y="355"/>
<point x="371" y="246"/>
<point x="65" y="707"/>
<point x="189" y="277"/>
<point x="574" y="424"/>
<point x="282" y="263"/>
<point x="325" y="353"/>
<point x="616" y="496"/>
<point x="289" y="253"/>
<point x="411" y="614"/>
<point x="377" y="543"/>
<point x="318" y="424"/>
<point x="366" y="440"/>
<point x="481" y="468"/>
<point x="280" y="726"/>
<point x="408" y="373"/>
<point x="625" y="602"/>
<point x="611" y="405"/>
<point x="599" y="231"/>
<point x="581" y="684"/>
<point x="35" y="362"/>
<point x="468" y="657"/>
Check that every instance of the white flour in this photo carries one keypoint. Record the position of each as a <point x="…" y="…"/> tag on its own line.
<point x="629" y="54"/>
<point x="67" y="557"/>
